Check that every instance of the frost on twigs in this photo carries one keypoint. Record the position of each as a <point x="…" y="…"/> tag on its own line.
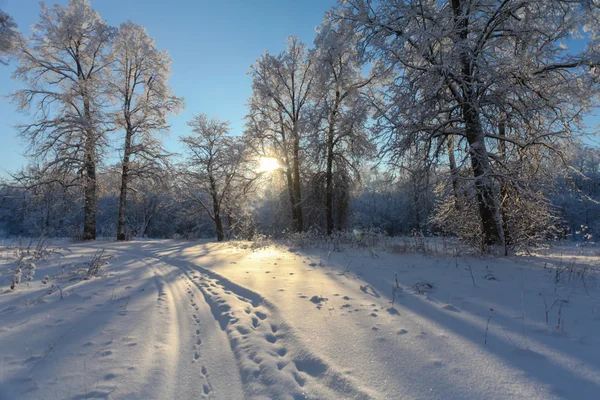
<point x="36" y="250"/>
<point x="98" y="261"/>
<point x="371" y="239"/>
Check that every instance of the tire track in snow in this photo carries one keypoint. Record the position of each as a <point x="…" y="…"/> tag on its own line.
<point x="191" y="379"/>
<point x="176" y="363"/>
<point x="272" y="362"/>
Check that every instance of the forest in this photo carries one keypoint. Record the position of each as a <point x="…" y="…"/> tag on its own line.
<point x="462" y="119"/>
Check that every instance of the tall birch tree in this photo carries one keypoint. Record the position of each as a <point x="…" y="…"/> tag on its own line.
<point x="341" y="106"/>
<point x="140" y="87"/>
<point x="63" y="66"/>
<point x="279" y="120"/>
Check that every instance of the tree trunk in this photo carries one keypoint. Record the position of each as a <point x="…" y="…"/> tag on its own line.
<point x="290" y="187"/>
<point x="121" y="223"/>
<point x="329" y="172"/>
<point x="219" y="226"/>
<point x="297" y="185"/>
<point x="415" y="178"/>
<point x="480" y="164"/>
<point x="453" y="171"/>
<point x="288" y="173"/>
<point x="216" y="210"/>
<point x="504" y="192"/>
<point x="90" y="200"/>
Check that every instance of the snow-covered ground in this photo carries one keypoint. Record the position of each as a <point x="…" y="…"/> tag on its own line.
<point x="175" y="319"/>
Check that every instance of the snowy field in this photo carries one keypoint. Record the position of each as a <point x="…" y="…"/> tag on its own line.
<point x="189" y="320"/>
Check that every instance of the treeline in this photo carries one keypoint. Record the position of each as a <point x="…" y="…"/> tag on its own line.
<point x="453" y="117"/>
<point x="157" y="208"/>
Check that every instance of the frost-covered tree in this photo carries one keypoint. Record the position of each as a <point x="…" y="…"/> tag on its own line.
<point x="212" y="170"/>
<point x="140" y="87"/>
<point x="9" y="35"/>
<point x="462" y="69"/>
<point x="278" y="119"/>
<point x="63" y="66"/>
<point x="341" y="107"/>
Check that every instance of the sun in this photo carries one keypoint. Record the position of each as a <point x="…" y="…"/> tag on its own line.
<point x="268" y="164"/>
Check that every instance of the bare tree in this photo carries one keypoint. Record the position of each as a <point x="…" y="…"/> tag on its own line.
<point x="63" y="66"/>
<point x="213" y="167"/>
<point x="278" y="118"/>
<point x="460" y="66"/>
<point x="145" y="100"/>
<point x="8" y="36"/>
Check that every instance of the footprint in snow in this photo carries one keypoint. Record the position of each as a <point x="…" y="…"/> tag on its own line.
<point x="242" y="330"/>
<point x="261" y="315"/>
<point x="317" y="299"/>
<point x="270" y="338"/>
<point x="393" y="311"/>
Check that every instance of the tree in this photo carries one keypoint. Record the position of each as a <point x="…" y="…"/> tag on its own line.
<point x="145" y="100"/>
<point x="213" y="166"/>
<point x="278" y="117"/>
<point x="8" y="36"/>
<point x="64" y="65"/>
<point x="343" y="108"/>
<point x="459" y="67"/>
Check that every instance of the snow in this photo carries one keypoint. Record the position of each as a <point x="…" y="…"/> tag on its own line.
<point x="176" y="319"/>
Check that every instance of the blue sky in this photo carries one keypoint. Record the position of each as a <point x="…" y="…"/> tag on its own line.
<point x="212" y="44"/>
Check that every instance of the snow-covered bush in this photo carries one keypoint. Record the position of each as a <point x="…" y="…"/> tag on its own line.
<point x="260" y="241"/>
<point x="98" y="261"/>
<point x="356" y="238"/>
<point x="24" y="273"/>
<point x="29" y="271"/>
<point x="528" y="219"/>
<point x="16" y="279"/>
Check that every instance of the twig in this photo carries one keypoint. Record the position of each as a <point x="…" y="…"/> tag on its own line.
<point x="468" y="268"/>
<point x="487" y="325"/>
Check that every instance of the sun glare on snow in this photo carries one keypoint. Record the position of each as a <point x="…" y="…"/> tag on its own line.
<point x="268" y="164"/>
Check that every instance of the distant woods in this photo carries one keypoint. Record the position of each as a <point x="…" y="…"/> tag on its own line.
<point x="456" y="117"/>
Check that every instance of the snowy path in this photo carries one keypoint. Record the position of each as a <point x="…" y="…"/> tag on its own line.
<point x="144" y="337"/>
<point x="204" y="320"/>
